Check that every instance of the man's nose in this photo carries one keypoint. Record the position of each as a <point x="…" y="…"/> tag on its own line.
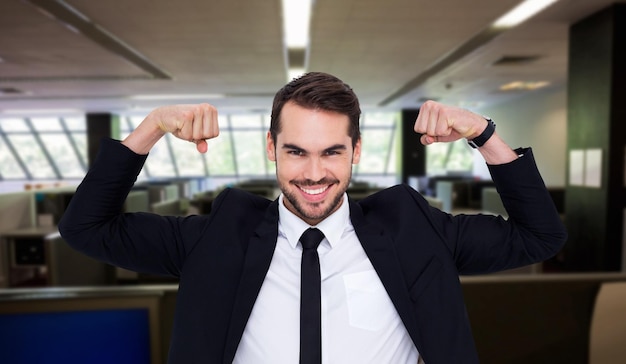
<point x="315" y="169"/>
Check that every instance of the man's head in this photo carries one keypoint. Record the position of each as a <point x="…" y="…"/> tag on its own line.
<point x="314" y="139"/>
<point x="318" y="90"/>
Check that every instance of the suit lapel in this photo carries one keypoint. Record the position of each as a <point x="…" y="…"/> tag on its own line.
<point x="257" y="262"/>
<point x="379" y="248"/>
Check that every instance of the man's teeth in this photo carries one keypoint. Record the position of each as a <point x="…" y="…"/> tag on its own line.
<point x="315" y="191"/>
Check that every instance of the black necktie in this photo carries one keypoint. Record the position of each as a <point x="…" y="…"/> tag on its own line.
<point x="310" y="299"/>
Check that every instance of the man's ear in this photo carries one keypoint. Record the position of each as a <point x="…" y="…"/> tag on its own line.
<point x="270" y="148"/>
<point x="356" y="154"/>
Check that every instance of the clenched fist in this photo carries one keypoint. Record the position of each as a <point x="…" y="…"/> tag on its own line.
<point x="194" y="123"/>
<point x="441" y="123"/>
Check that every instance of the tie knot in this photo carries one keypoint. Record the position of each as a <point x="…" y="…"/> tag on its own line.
<point x="311" y="238"/>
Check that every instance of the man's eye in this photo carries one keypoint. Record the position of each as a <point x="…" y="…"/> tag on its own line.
<point x="332" y="152"/>
<point x="296" y="152"/>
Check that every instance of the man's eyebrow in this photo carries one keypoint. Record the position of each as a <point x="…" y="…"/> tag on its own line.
<point x="292" y="146"/>
<point x="331" y="148"/>
<point x="336" y="147"/>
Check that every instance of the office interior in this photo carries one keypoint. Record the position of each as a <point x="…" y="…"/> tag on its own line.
<point x="554" y="82"/>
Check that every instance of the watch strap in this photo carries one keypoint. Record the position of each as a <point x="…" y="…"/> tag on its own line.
<point x="480" y="140"/>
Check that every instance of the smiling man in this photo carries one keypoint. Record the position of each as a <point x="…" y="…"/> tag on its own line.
<point x="379" y="284"/>
<point x="314" y="156"/>
<point x="314" y="146"/>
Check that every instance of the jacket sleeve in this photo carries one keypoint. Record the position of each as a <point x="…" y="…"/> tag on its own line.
<point x="95" y="224"/>
<point x="533" y="231"/>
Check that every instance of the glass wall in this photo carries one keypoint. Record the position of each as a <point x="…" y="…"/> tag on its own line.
<point x="42" y="148"/>
<point x="449" y="158"/>
<point x="54" y="149"/>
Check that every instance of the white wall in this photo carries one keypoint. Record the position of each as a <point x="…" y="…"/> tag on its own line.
<point x="538" y="120"/>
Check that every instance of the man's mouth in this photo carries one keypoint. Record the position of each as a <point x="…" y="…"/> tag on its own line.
<point x="315" y="191"/>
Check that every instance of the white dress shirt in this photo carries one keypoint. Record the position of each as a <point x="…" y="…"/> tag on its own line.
<point x="359" y="321"/>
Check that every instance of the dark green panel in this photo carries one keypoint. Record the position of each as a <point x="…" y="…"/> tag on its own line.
<point x="596" y="95"/>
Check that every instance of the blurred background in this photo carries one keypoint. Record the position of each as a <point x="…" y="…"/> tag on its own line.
<point x="548" y="72"/>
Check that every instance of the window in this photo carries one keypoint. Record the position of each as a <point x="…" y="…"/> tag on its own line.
<point x="55" y="148"/>
<point x="10" y="166"/>
<point x="40" y="149"/>
<point x="378" y="135"/>
<point x="449" y="157"/>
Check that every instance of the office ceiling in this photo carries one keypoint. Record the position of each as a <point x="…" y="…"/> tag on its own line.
<point x="97" y="56"/>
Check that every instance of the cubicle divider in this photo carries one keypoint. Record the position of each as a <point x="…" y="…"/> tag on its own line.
<point x="175" y="207"/>
<point x="137" y="201"/>
<point x="459" y="193"/>
<point x="492" y="203"/>
<point x="543" y="318"/>
<point x="28" y="216"/>
<point x="84" y="325"/>
<point x="17" y="211"/>
<point x="608" y="325"/>
<point x="32" y="253"/>
<point x="515" y="319"/>
<point x="28" y="222"/>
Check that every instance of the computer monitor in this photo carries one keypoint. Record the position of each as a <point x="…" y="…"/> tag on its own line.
<point x="77" y="329"/>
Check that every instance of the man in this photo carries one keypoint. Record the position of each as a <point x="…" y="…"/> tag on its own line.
<point x="390" y="291"/>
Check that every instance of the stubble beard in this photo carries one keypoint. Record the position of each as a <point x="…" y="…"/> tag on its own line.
<point x="301" y="210"/>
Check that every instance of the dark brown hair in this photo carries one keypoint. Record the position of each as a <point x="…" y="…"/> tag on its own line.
<point x="318" y="90"/>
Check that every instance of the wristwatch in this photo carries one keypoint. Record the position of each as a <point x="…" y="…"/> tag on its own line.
<point x="480" y="140"/>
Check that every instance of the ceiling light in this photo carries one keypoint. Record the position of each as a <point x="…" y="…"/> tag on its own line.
<point x="178" y="97"/>
<point x="30" y="112"/>
<point x="522" y="12"/>
<point x="523" y="86"/>
<point x="296" y="26"/>
<point x="296" y="22"/>
<point x="293" y="73"/>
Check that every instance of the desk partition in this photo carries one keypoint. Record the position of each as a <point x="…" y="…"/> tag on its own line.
<point x="121" y="326"/>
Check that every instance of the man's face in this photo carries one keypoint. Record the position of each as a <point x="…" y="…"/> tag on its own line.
<point x="314" y="157"/>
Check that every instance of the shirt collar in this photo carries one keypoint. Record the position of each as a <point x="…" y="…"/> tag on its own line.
<point x="291" y="226"/>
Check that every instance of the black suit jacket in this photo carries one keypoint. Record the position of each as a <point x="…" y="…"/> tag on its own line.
<point x="221" y="259"/>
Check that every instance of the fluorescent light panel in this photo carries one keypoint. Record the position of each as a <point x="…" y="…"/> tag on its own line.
<point x="296" y="27"/>
<point x="296" y="22"/>
<point x="294" y="73"/>
<point x="524" y="85"/>
<point x="522" y="12"/>
<point x="178" y="97"/>
<point x="27" y="112"/>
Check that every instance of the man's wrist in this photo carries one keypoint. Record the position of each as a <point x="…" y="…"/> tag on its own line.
<point x="481" y="139"/>
<point x="142" y="139"/>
